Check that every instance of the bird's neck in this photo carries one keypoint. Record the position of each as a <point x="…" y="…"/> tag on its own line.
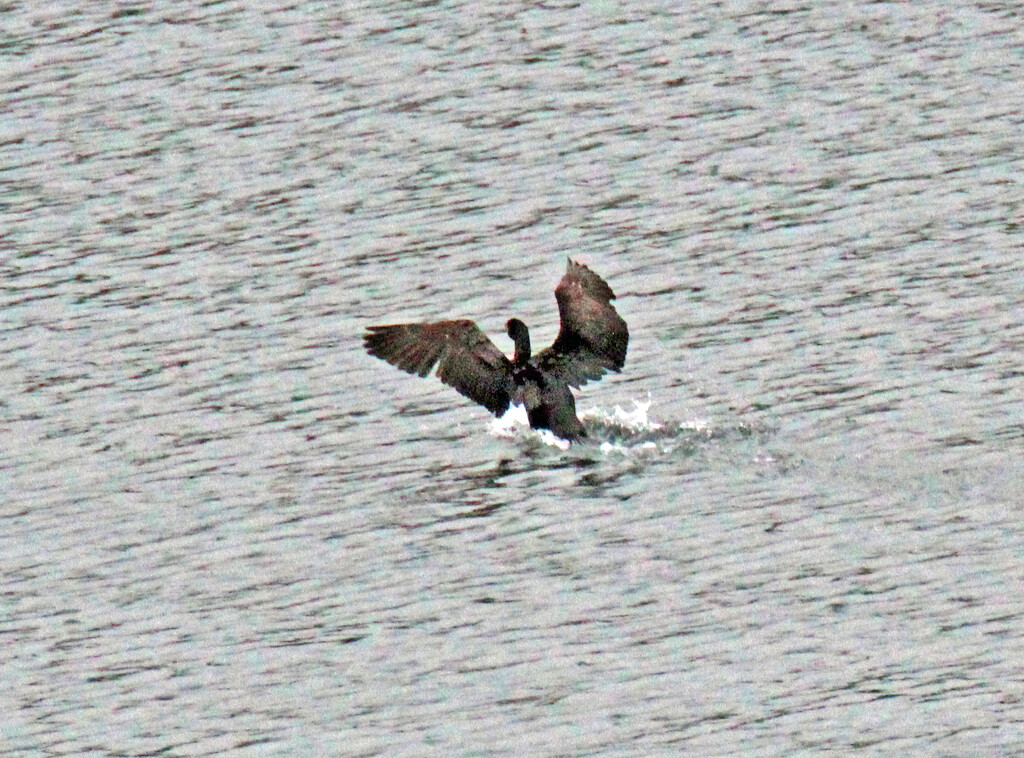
<point x="522" y="340"/>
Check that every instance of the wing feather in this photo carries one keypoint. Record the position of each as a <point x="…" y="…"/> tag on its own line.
<point x="465" y="358"/>
<point x="592" y="338"/>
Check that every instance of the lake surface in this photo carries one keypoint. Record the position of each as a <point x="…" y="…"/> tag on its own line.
<point x="226" y="530"/>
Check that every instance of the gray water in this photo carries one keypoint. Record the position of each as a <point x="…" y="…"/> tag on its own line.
<point x="226" y="530"/>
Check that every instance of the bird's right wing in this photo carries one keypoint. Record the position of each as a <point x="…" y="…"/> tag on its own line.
<point x="466" y="359"/>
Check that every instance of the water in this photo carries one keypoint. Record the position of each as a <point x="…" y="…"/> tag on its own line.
<point x="226" y="530"/>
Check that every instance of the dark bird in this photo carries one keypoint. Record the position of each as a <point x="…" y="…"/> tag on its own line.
<point x="591" y="340"/>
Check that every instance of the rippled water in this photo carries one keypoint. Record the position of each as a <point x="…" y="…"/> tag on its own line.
<point x="226" y="530"/>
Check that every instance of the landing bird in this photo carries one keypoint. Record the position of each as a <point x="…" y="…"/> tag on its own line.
<point x="591" y="340"/>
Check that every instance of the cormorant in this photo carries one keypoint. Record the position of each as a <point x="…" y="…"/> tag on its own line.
<point x="592" y="339"/>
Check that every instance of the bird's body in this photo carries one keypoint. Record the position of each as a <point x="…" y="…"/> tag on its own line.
<point x="592" y="339"/>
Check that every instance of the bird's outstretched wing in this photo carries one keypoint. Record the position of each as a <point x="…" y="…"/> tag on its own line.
<point x="465" y="358"/>
<point x="593" y="337"/>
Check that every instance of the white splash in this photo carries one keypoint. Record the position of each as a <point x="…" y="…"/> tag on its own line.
<point x="515" y="423"/>
<point x="636" y="419"/>
<point x="514" y="417"/>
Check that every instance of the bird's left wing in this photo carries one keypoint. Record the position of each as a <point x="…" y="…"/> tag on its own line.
<point x="593" y="337"/>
